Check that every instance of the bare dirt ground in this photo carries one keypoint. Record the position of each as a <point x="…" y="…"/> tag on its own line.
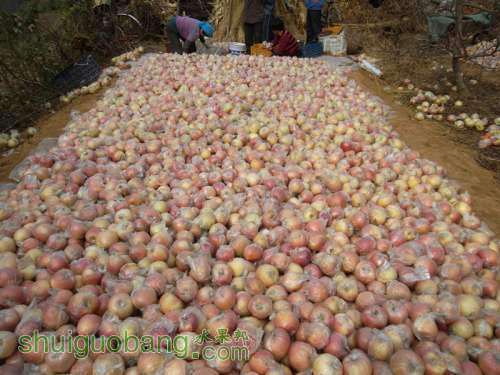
<point x="49" y="126"/>
<point x="432" y="140"/>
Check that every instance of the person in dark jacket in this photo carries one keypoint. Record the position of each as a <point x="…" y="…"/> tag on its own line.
<point x="253" y="17"/>
<point x="313" y="25"/>
<point x="188" y="30"/>
<point x="267" y="34"/>
<point x="284" y="43"/>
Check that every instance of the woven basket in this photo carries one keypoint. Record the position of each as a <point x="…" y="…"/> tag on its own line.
<point x="332" y="30"/>
<point x="489" y="158"/>
<point x="260" y="50"/>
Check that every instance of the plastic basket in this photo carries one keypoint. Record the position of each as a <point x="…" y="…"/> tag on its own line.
<point x="237" y="49"/>
<point x="82" y="73"/>
<point x="334" y="45"/>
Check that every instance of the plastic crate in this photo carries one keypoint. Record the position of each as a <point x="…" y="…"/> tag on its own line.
<point x="312" y="49"/>
<point x="82" y="73"/>
<point x="334" y="45"/>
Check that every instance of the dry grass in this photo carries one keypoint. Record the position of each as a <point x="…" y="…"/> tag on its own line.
<point x="361" y="12"/>
<point x="227" y="16"/>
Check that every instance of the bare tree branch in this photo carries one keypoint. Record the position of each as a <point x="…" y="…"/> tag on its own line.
<point x="480" y="7"/>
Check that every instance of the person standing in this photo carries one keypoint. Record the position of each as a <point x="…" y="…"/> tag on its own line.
<point x="253" y="17"/>
<point x="267" y="34"/>
<point x="188" y="30"/>
<point x="313" y="24"/>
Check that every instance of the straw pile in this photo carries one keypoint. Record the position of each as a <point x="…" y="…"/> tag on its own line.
<point x="227" y="16"/>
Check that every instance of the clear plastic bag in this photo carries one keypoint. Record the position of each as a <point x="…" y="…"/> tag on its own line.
<point x="201" y="269"/>
<point x="5" y="188"/>
<point x="45" y="146"/>
<point x="19" y="170"/>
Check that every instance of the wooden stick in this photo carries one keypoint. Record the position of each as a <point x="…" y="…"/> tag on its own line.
<point x="374" y="25"/>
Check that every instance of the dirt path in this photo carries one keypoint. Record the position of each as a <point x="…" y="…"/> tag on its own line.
<point x="433" y="142"/>
<point x="49" y="126"/>
<point x="429" y="138"/>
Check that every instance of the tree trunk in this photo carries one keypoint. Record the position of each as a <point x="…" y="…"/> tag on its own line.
<point x="459" y="74"/>
<point x="458" y="50"/>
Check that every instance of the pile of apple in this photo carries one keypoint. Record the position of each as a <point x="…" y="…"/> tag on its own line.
<point x="265" y="195"/>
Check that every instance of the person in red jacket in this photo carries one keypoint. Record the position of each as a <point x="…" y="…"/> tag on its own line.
<point x="284" y="43"/>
